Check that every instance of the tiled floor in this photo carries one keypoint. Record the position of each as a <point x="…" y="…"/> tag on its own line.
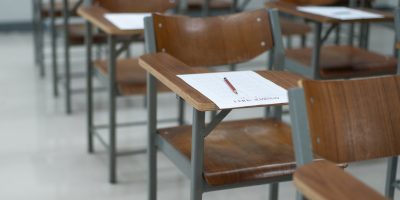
<point x="43" y="153"/>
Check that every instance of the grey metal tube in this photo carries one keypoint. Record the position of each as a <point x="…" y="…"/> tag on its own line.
<point x="352" y="4"/>
<point x="206" y="8"/>
<point x="316" y="51"/>
<point x="35" y="23"/>
<point x="89" y="84"/>
<point x="337" y="34"/>
<point x="197" y="181"/>
<point x="112" y="108"/>
<point x="40" y="40"/>
<point x="391" y="177"/>
<point x="151" y="131"/>
<point x="67" y="57"/>
<point x="181" y="111"/>
<point x="53" y="48"/>
<point x="273" y="191"/>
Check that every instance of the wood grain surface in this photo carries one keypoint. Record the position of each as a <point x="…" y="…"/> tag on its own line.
<point x="165" y="68"/>
<point x="214" y="41"/>
<point x="291" y="28"/>
<point x="322" y="180"/>
<point x="354" y="120"/>
<point x="131" y="78"/>
<point x="95" y="15"/>
<point x="345" y="61"/>
<point x="240" y="151"/>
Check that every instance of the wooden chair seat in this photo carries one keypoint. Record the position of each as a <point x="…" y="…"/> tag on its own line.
<point x="131" y="78"/>
<point x="214" y="4"/>
<point x="239" y="151"/>
<point x="345" y="61"/>
<point x="290" y="28"/>
<point x="77" y="35"/>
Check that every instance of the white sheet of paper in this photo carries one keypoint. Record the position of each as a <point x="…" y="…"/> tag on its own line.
<point x="252" y="89"/>
<point x="127" y="21"/>
<point x="338" y="12"/>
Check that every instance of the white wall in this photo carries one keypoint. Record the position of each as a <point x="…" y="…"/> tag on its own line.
<point x="15" y="11"/>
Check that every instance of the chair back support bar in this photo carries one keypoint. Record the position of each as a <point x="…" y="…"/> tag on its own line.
<point x="397" y="23"/>
<point x="214" y="40"/>
<point x="355" y="119"/>
<point x="136" y="5"/>
<point x="397" y="37"/>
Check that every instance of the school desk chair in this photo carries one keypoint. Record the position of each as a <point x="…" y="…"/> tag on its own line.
<point x="346" y="121"/>
<point x="336" y="61"/>
<point x="123" y="76"/>
<point x="219" y="155"/>
<point x="73" y="36"/>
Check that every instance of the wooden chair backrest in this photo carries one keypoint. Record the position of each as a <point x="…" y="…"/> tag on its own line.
<point x="213" y="41"/>
<point x="354" y="120"/>
<point x="314" y="2"/>
<point x="136" y="5"/>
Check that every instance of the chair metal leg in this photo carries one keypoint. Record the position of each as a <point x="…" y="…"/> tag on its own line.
<point x="145" y="101"/>
<point x="67" y="71"/>
<point x="152" y="129"/>
<point x="206" y="8"/>
<point x="398" y="61"/>
<point x="364" y="33"/>
<point x="181" y="111"/>
<point x="212" y="115"/>
<point x="40" y="42"/>
<point x="234" y="7"/>
<point x="53" y="49"/>
<point x="303" y="40"/>
<point x="350" y="35"/>
<point x="273" y="191"/>
<point x="337" y="35"/>
<point x="197" y="181"/>
<point x="270" y="59"/>
<point x="98" y="51"/>
<point x="232" y="67"/>
<point x="267" y="110"/>
<point x="352" y="4"/>
<point x="299" y="196"/>
<point x="89" y="84"/>
<point x="128" y="52"/>
<point x="112" y="108"/>
<point x="35" y="22"/>
<point x="316" y="51"/>
<point x="289" y="44"/>
<point x="391" y="177"/>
